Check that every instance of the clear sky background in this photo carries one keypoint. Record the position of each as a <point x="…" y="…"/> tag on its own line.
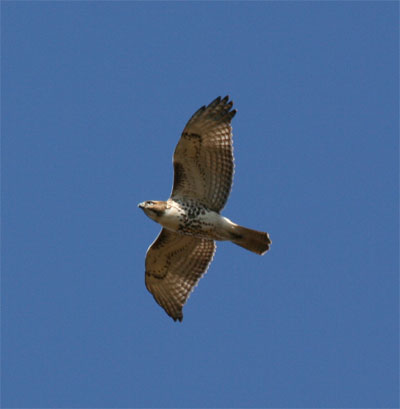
<point x="94" y="98"/>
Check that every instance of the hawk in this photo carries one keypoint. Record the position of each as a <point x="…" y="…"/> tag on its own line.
<point x="190" y="218"/>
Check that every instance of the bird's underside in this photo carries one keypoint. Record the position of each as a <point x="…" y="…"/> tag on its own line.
<point x="203" y="171"/>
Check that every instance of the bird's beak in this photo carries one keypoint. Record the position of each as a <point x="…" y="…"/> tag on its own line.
<point x="141" y="205"/>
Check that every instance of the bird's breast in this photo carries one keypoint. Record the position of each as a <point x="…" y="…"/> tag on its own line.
<point x="195" y="220"/>
<point x="170" y="218"/>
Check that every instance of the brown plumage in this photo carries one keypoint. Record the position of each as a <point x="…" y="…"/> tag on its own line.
<point x="253" y="240"/>
<point x="203" y="172"/>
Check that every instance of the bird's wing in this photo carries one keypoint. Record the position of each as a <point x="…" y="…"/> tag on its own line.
<point x="174" y="265"/>
<point x="203" y="158"/>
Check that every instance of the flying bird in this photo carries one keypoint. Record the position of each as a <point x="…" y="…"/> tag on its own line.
<point x="190" y="218"/>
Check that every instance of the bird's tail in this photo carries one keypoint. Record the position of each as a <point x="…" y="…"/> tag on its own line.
<point x="253" y="240"/>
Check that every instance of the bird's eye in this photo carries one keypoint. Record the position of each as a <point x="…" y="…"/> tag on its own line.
<point x="149" y="202"/>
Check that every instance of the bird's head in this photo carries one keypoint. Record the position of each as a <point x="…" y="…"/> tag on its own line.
<point x="153" y="208"/>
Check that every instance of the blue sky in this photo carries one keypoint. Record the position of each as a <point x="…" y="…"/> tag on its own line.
<point x="94" y="97"/>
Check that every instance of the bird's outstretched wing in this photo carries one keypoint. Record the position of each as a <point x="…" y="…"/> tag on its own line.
<point x="174" y="265"/>
<point x="203" y="158"/>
